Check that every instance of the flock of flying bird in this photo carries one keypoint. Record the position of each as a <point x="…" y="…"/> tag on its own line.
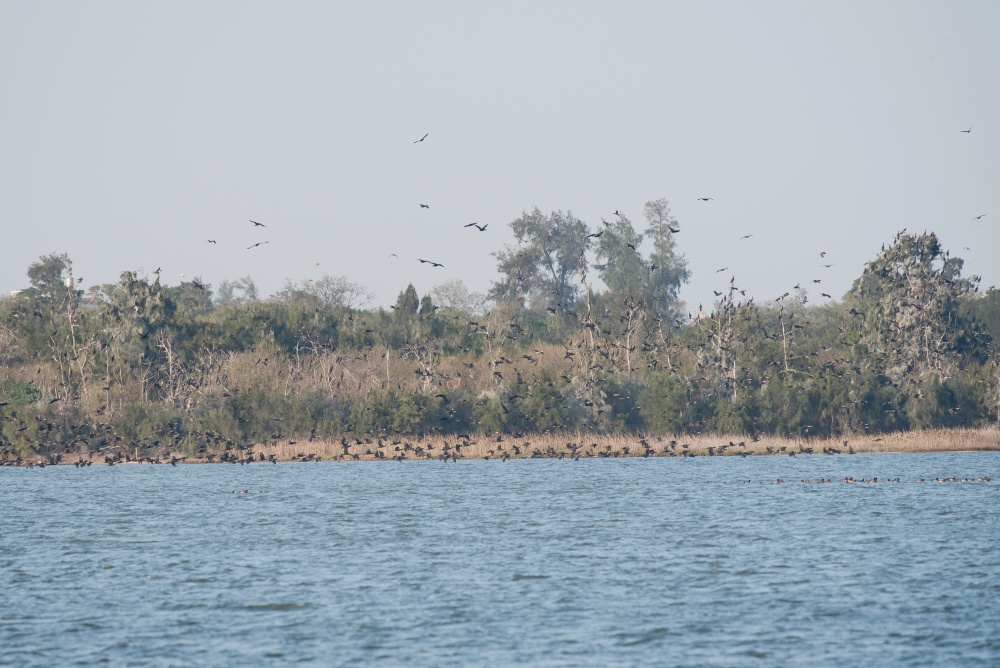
<point x="674" y="230"/>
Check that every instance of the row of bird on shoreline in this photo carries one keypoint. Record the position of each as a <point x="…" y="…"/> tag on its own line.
<point x="445" y="457"/>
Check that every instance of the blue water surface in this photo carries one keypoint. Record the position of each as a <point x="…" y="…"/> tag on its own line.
<point x="615" y="562"/>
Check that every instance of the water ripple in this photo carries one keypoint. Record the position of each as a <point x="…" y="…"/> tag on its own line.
<point x="535" y="562"/>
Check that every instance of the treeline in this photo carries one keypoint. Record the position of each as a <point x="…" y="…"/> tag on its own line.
<point x="141" y="366"/>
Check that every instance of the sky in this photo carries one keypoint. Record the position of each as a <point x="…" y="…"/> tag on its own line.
<point x="131" y="133"/>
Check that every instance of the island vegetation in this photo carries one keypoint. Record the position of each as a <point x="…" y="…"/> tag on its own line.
<point x="546" y="364"/>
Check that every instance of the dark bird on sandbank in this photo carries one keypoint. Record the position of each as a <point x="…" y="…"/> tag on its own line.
<point x="258" y="224"/>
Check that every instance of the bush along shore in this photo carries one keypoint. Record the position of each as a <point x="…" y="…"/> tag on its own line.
<point x="140" y="371"/>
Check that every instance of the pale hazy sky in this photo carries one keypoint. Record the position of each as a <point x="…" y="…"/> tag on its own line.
<point x="132" y="132"/>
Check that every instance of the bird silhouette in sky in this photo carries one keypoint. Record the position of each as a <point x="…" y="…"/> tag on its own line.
<point x="481" y="228"/>
<point x="258" y="224"/>
<point x="431" y="263"/>
<point x="746" y="236"/>
<point x="421" y="139"/>
<point x="211" y="241"/>
<point x="259" y="243"/>
<point x="673" y="230"/>
<point x="969" y="131"/>
<point x="721" y="270"/>
<point x="425" y="206"/>
<point x="705" y="199"/>
<point x="980" y="216"/>
<point x="595" y="235"/>
<point x="393" y="255"/>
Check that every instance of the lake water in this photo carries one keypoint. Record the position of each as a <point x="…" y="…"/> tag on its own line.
<point x="623" y="562"/>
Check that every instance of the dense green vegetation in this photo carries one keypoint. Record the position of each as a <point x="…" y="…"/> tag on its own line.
<point x="147" y="367"/>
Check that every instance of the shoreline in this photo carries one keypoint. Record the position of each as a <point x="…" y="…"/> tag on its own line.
<point x="546" y="446"/>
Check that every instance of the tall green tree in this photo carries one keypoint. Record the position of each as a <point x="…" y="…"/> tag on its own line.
<point x="620" y="262"/>
<point x="408" y="303"/>
<point x="908" y="300"/>
<point x="668" y="268"/>
<point x="542" y="268"/>
<point x="48" y="276"/>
